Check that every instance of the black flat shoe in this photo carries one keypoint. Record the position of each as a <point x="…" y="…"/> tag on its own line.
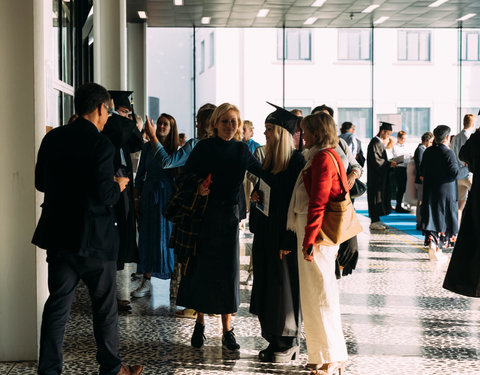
<point x="198" y="336"/>
<point x="229" y="342"/>
<point x="287" y="355"/>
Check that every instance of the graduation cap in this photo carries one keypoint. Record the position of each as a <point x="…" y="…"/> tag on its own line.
<point x="386" y="126"/>
<point x="478" y="113"/>
<point x="121" y="98"/>
<point x="283" y="118"/>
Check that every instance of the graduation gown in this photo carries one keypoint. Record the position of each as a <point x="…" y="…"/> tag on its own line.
<point x="463" y="274"/>
<point x="378" y="186"/>
<point x="127" y="139"/>
<point x="440" y="195"/>
<point x="275" y="294"/>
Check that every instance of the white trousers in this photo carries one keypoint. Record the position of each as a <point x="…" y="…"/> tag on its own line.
<point x="320" y="302"/>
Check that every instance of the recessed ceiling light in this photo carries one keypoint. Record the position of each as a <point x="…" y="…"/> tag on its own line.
<point x="437" y="3"/>
<point x="318" y="3"/>
<point x="178" y="2"/>
<point x="206" y="20"/>
<point x="371" y="8"/>
<point x="310" y="21"/>
<point x="381" y="20"/>
<point x="142" y="14"/>
<point x="466" y="17"/>
<point x="263" y="12"/>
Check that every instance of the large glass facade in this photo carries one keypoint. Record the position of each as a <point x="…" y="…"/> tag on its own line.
<point x="420" y="77"/>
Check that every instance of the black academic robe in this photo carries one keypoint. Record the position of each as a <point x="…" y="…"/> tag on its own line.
<point x="127" y="139"/>
<point x="378" y="186"/>
<point x="275" y="295"/>
<point x="463" y="274"/>
<point x="440" y="195"/>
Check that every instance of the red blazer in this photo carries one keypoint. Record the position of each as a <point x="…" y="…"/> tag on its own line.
<point x="323" y="185"/>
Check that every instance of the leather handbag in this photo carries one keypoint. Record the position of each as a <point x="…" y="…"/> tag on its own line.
<point x="340" y="221"/>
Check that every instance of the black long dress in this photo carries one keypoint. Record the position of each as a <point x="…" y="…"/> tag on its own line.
<point x="463" y="274"/>
<point x="378" y="187"/>
<point x="126" y="138"/>
<point x="275" y="294"/>
<point x="440" y="195"/>
<point x="212" y="282"/>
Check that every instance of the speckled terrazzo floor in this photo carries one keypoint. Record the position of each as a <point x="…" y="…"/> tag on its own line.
<point x="396" y="317"/>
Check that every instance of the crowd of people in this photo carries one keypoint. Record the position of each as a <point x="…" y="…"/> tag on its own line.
<point x="188" y="198"/>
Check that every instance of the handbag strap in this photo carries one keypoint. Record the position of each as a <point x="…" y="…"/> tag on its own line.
<point x="338" y="171"/>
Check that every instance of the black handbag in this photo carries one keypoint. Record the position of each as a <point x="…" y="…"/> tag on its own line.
<point x="358" y="189"/>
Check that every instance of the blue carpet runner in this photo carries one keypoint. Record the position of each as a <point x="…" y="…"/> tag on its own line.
<point x="404" y="222"/>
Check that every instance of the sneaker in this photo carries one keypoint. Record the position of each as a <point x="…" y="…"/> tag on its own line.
<point x="143" y="290"/>
<point x="229" y="342"/>
<point x="377" y="226"/>
<point x="249" y="281"/>
<point x="198" y="336"/>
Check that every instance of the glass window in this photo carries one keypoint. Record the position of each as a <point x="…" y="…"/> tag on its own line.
<point x="413" y="45"/>
<point x="212" y="50"/>
<point x="298" y="44"/>
<point x="360" y="117"/>
<point x="415" y="121"/>
<point x="470" y="51"/>
<point x="202" y="56"/>
<point x="354" y="44"/>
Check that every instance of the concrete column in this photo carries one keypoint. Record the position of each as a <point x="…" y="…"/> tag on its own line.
<point x="137" y="65"/>
<point x="22" y="73"/>
<point x="110" y="43"/>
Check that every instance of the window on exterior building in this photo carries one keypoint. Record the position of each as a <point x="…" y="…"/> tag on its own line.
<point x="360" y="117"/>
<point x="414" y="45"/>
<point x="212" y="50"/>
<point x="354" y="44"/>
<point x="202" y="56"/>
<point x="298" y="44"/>
<point x="470" y="46"/>
<point x="415" y="121"/>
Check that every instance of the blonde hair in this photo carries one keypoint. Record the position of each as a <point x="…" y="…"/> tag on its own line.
<point x="279" y="151"/>
<point x="323" y="127"/>
<point x="219" y="112"/>
<point x="469" y="120"/>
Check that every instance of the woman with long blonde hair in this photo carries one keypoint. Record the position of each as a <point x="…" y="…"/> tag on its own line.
<point x="212" y="282"/>
<point x="275" y="295"/>
<point x="323" y="179"/>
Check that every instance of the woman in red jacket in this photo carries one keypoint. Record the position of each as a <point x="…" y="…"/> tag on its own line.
<point x="318" y="184"/>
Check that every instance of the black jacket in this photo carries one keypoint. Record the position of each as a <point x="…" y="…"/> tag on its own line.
<point x="75" y="171"/>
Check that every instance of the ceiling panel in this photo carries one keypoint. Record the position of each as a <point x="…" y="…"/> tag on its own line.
<point x="293" y="13"/>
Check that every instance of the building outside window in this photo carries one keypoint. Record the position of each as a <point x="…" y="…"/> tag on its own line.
<point x="470" y="42"/>
<point x="415" y="121"/>
<point x="202" y="56"/>
<point x="414" y="45"/>
<point x="212" y="50"/>
<point x="354" y="44"/>
<point x="360" y="117"/>
<point x="298" y="44"/>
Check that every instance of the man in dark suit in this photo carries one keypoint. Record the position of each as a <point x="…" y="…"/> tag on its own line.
<point x="77" y="228"/>
<point x="378" y="170"/>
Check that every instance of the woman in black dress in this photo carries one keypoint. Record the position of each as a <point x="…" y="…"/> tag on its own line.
<point x="275" y="294"/>
<point x="212" y="282"/>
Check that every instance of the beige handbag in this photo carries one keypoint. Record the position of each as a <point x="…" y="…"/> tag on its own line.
<point x="340" y="221"/>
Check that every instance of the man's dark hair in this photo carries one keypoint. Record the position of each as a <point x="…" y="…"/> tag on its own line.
<point x="427" y="136"/>
<point x="321" y="108"/>
<point x="347" y="125"/>
<point x="88" y="97"/>
<point x="181" y="135"/>
<point x="440" y="133"/>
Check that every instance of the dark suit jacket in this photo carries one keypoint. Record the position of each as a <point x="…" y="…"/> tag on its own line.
<point x="75" y="171"/>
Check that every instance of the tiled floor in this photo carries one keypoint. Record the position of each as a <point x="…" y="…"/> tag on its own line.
<point x="397" y="320"/>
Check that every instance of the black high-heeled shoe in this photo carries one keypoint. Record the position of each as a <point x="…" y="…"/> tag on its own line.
<point x="287" y="355"/>
<point x="266" y="355"/>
